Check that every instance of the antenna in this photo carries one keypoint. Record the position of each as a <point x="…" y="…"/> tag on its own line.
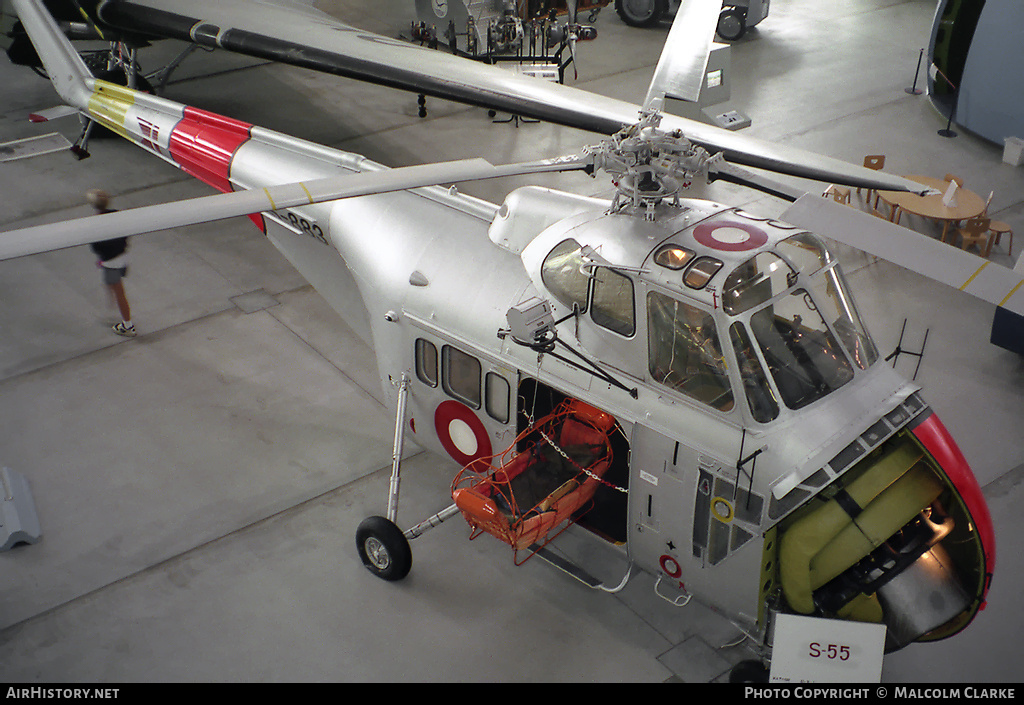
<point x="895" y="354"/>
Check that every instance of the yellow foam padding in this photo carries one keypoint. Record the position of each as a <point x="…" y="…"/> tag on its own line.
<point x="109" y="105"/>
<point x="808" y="536"/>
<point x="894" y="507"/>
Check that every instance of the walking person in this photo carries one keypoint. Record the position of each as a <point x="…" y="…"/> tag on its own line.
<point x="113" y="261"/>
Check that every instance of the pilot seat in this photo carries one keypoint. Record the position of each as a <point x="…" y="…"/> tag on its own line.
<point x="543" y="483"/>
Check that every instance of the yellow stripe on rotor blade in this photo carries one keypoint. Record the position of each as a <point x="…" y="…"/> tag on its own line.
<point x="971" y="278"/>
<point x="1012" y="292"/>
<point x="270" y="198"/>
<point x="308" y="194"/>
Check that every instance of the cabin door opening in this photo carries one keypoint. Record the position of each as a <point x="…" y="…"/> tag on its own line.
<point x="607" y="518"/>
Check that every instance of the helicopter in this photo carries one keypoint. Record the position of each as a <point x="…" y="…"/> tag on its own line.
<point x="740" y="429"/>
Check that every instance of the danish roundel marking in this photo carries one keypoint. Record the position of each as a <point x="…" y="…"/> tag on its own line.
<point x="461" y="433"/>
<point x="728" y="236"/>
<point x="670" y="566"/>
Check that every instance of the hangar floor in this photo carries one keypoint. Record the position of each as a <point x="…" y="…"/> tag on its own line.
<point x="199" y="486"/>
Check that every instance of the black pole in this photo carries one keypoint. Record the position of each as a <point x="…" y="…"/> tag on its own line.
<point x="947" y="132"/>
<point x="914" y="90"/>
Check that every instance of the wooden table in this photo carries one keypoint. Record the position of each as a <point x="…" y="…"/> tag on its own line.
<point x="968" y="204"/>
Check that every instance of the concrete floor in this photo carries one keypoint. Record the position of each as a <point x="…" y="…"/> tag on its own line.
<point x="199" y="486"/>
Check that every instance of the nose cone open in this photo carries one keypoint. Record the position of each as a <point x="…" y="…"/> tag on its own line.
<point x="903" y="538"/>
<point x="975" y="558"/>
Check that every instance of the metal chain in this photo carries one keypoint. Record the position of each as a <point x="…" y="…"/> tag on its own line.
<point x="589" y="474"/>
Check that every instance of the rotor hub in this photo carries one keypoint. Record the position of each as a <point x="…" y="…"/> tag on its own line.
<point x="648" y="165"/>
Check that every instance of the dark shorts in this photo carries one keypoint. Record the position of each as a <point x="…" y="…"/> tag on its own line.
<point x="113" y="275"/>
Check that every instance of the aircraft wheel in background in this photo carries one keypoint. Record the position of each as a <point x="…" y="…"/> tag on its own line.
<point x="732" y="23"/>
<point x="641" y="13"/>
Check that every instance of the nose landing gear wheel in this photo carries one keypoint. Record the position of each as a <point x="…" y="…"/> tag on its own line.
<point x="749" y="672"/>
<point x="383" y="548"/>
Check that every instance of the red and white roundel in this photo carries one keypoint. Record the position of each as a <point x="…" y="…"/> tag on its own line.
<point x="461" y="433"/>
<point x="728" y="236"/>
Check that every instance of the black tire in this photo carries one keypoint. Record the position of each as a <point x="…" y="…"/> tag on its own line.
<point x="749" y="672"/>
<point x="383" y="548"/>
<point x="732" y="23"/>
<point x="641" y="13"/>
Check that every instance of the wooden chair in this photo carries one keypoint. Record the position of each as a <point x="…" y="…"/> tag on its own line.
<point x="876" y="162"/>
<point x="976" y="232"/>
<point x="997" y="229"/>
<point x="957" y="179"/>
<point x="840" y="194"/>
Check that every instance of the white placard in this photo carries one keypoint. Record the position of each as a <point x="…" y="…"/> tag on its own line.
<point x="949" y="199"/>
<point x="815" y="650"/>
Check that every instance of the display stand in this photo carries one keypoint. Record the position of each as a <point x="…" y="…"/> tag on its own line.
<point x="815" y="650"/>
<point x="947" y="131"/>
<point x="914" y="90"/>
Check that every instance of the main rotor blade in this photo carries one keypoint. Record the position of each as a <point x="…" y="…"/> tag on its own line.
<point x="43" y="238"/>
<point x="919" y="253"/>
<point x="684" y="59"/>
<point x="730" y="172"/>
<point x="296" y="33"/>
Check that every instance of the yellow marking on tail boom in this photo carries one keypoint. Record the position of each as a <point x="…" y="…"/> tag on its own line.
<point x="109" y="104"/>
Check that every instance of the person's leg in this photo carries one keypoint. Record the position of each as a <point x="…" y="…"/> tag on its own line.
<point x="114" y="280"/>
<point x="117" y="289"/>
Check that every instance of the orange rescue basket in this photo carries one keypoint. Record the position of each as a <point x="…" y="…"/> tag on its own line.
<point x="547" y="478"/>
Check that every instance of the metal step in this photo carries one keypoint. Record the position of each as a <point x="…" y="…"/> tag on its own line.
<point x="566" y="566"/>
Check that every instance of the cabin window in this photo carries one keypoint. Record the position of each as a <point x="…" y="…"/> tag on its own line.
<point x="613" y="302"/>
<point x="673" y="257"/>
<point x="803" y="357"/>
<point x="426" y="362"/>
<point x="756" y="281"/>
<point x="562" y="274"/>
<point x="496" y="396"/>
<point x="805" y="251"/>
<point x="684" y="352"/>
<point x="760" y="397"/>
<point x="701" y="272"/>
<point x="460" y="376"/>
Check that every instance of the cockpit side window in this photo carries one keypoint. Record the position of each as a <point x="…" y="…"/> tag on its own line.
<point x="684" y="352"/>
<point x="563" y="276"/>
<point x="613" y="306"/>
<point x="838" y="308"/>
<point x="803" y="357"/>
<point x="760" y="397"/>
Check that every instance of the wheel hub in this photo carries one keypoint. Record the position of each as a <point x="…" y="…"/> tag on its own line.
<point x="377" y="553"/>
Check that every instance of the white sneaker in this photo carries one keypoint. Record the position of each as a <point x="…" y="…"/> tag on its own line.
<point x="127" y="331"/>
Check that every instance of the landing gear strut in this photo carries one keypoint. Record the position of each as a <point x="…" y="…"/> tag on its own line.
<point x="383" y="547"/>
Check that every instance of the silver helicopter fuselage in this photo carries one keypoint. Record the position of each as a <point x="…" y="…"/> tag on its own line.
<point x="748" y="464"/>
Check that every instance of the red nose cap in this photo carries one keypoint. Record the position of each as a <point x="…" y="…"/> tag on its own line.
<point x="936" y="439"/>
